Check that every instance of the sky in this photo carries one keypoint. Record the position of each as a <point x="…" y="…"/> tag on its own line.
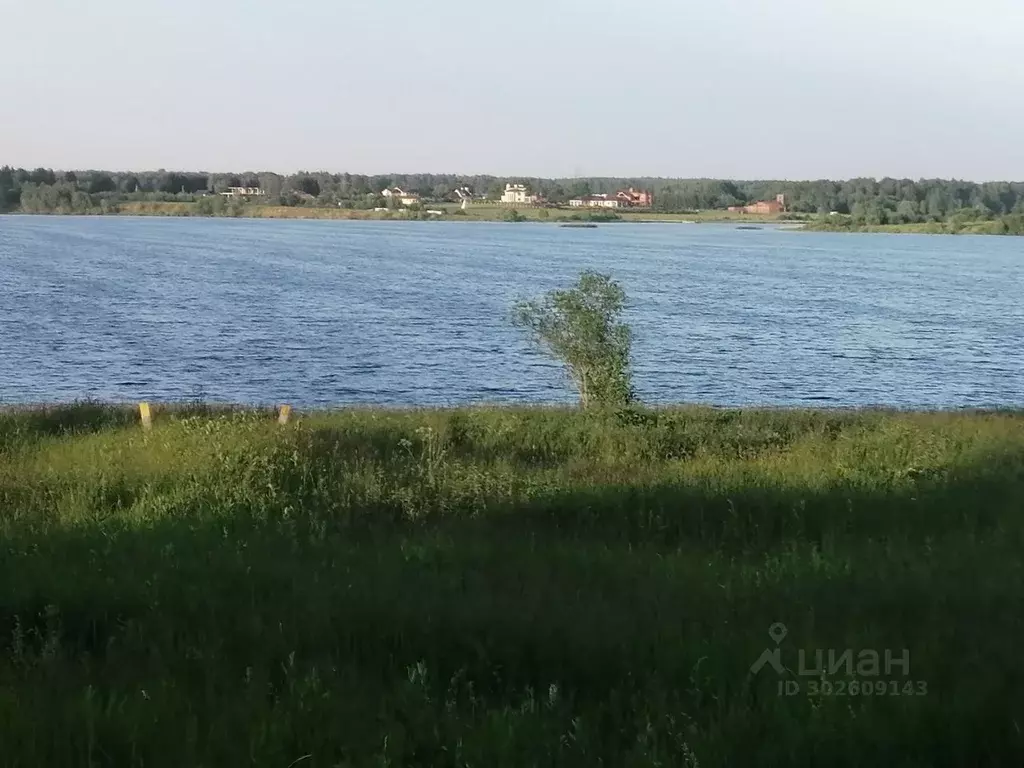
<point x="743" y="89"/>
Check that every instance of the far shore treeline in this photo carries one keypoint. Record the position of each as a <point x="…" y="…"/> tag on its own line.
<point x="856" y="203"/>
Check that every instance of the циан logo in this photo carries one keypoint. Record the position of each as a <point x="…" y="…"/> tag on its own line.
<point x="840" y="672"/>
<point x="777" y="632"/>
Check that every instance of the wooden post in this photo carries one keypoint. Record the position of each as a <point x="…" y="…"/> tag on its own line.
<point x="146" y="416"/>
<point x="284" y="414"/>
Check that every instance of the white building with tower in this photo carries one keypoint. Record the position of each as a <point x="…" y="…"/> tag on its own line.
<point x="518" y="194"/>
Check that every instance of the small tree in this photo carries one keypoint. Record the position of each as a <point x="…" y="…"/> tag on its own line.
<point x="581" y="328"/>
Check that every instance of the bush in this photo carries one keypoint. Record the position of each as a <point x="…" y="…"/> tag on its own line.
<point x="580" y="327"/>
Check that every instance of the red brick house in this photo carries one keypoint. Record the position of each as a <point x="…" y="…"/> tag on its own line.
<point x="636" y="198"/>
<point x="762" y="207"/>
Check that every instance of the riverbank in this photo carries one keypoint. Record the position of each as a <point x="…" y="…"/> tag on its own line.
<point x="449" y="212"/>
<point x="510" y="586"/>
<point x="1006" y="225"/>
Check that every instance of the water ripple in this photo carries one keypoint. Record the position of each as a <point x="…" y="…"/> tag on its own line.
<point x="417" y="314"/>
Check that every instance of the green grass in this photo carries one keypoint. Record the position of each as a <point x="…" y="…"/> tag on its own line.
<point x="478" y="212"/>
<point x="505" y="587"/>
<point x="495" y="212"/>
<point x="1005" y="225"/>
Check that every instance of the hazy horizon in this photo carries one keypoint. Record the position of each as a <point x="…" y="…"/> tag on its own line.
<point x="791" y="91"/>
<point x="511" y="176"/>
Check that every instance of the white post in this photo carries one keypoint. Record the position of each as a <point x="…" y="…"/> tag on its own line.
<point x="146" y="416"/>
<point x="284" y="413"/>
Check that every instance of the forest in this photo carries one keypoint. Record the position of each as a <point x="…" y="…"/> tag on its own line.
<point x="866" y="201"/>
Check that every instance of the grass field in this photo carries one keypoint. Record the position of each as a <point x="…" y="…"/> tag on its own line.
<point x="509" y="587"/>
<point x="1007" y="225"/>
<point x="498" y="212"/>
<point x="473" y="213"/>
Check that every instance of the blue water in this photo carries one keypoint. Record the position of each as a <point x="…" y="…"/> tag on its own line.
<point x="407" y="313"/>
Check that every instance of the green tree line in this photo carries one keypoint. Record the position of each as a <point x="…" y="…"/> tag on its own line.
<point x="866" y="201"/>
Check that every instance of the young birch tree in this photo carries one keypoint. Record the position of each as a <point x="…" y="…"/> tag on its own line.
<point x="581" y="328"/>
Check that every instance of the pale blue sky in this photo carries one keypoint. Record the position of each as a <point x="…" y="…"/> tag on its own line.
<point x="722" y="88"/>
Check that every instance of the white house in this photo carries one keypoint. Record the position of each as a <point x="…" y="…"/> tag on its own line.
<point x="244" y="192"/>
<point x="405" y="198"/>
<point x="518" y="194"/>
<point x="596" y="201"/>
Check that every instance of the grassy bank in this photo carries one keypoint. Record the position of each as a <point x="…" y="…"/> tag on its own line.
<point x="508" y="587"/>
<point x="1006" y="225"/>
<point x="451" y="212"/>
<point x="499" y="212"/>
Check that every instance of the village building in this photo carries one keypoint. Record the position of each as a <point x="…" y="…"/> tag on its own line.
<point x="636" y="198"/>
<point x="626" y="198"/>
<point x="597" y="201"/>
<point x="518" y="194"/>
<point x="762" y="207"/>
<point x="400" y="195"/>
<point x="244" y="192"/>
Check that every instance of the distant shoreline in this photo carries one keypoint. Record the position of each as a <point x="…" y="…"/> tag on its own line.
<point x="958" y="224"/>
<point x="503" y="214"/>
<point x="493" y="213"/>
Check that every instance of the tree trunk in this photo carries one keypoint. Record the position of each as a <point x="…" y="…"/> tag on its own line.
<point x="582" y="386"/>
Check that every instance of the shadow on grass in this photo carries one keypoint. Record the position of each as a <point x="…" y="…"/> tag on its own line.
<point x="643" y="606"/>
<point x="741" y="510"/>
<point x="542" y="438"/>
<point x="55" y="420"/>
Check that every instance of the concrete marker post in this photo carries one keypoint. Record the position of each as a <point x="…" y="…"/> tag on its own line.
<point x="146" y="416"/>
<point x="284" y="414"/>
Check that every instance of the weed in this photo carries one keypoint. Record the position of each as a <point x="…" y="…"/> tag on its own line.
<point x="504" y="586"/>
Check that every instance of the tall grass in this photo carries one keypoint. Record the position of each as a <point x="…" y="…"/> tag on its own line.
<point x="506" y="587"/>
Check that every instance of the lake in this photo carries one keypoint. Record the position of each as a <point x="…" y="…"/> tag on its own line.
<point x="408" y="313"/>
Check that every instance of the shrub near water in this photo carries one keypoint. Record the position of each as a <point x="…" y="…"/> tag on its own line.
<point x="581" y="327"/>
<point x="505" y="587"/>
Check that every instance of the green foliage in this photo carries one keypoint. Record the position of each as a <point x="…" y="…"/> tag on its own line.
<point x="505" y="587"/>
<point x="593" y="216"/>
<point x="875" y="202"/>
<point x="580" y="327"/>
<point x="969" y="221"/>
<point x="908" y="212"/>
<point x="1013" y="224"/>
<point x="211" y="205"/>
<point x="62" y="197"/>
<point x="513" y="215"/>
